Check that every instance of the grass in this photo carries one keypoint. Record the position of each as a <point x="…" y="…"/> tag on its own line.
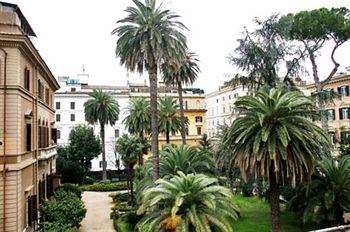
<point x="255" y="216"/>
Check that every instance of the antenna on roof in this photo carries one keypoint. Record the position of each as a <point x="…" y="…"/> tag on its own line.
<point x="83" y="69"/>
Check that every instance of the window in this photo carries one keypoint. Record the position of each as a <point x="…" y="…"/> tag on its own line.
<point x="116" y="133"/>
<point x="330" y="114"/>
<point x="236" y="95"/>
<point x="344" y="113"/>
<point x="58" y="134"/>
<point x="199" y="130"/>
<point x="223" y="98"/>
<point x="223" y="109"/>
<point x="40" y="90"/>
<point x="229" y="97"/>
<point x="47" y="95"/>
<point x="102" y="163"/>
<point x="27" y="79"/>
<point x="331" y="136"/>
<point x="54" y="135"/>
<point x="58" y="105"/>
<point x="343" y="90"/>
<point x="72" y="117"/>
<point x="28" y="137"/>
<point x="186" y="105"/>
<point x="72" y="89"/>
<point x="345" y="137"/>
<point x="217" y="100"/>
<point x="58" y="117"/>
<point x="72" y="105"/>
<point x="187" y="131"/>
<point x="199" y="119"/>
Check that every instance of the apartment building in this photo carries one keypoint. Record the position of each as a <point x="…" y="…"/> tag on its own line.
<point x="74" y="92"/>
<point x="220" y="107"/>
<point x="69" y="104"/>
<point x="338" y="109"/>
<point x="194" y="111"/>
<point x="27" y="125"/>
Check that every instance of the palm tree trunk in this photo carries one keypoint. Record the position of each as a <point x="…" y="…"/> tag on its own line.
<point x="274" y="203"/>
<point x="154" y="120"/>
<point x="104" y="172"/>
<point x="141" y="155"/>
<point x="131" y="184"/>
<point x="182" y="114"/>
<point x="167" y="136"/>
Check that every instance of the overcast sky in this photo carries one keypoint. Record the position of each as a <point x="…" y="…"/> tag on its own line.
<point x="73" y="33"/>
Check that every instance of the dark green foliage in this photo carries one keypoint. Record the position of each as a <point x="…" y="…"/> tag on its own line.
<point x="69" y="188"/>
<point x="132" y="218"/>
<point x="138" y="119"/>
<point x="327" y="196"/>
<point x="65" y="209"/>
<point x="70" y="171"/>
<point x="99" y="187"/>
<point x="84" y="146"/>
<point x="119" y="197"/>
<point x="88" y="180"/>
<point x="169" y="118"/>
<point x="54" y="227"/>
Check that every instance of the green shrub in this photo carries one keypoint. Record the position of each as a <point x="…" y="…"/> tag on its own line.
<point x="88" y="180"/>
<point x="132" y="219"/>
<point x="100" y="187"/>
<point x="54" y="227"/>
<point x="65" y="209"/>
<point x="69" y="188"/>
<point x="124" y="207"/>
<point x="119" y="197"/>
<point x="105" y="181"/>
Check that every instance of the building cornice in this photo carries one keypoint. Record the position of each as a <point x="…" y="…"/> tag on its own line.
<point x="332" y="81"/>
<point x="26" y="46"/>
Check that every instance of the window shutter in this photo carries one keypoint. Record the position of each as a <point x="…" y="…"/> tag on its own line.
<point x="34" y="209"/>
<point x="333" y="113"/>
<point x="340" y="114"/>
<point x="348" y="112"/>
<point x="347" y="90"/>
<point x="54" y="135"/>
<point x="339" y="90"/>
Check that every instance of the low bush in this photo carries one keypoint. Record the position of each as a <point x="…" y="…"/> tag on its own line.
<point x="119" y="197"/>
<point x="102" y="187"/>
<point x="65" y="209"/>
<point x="69" y="188"/>
<point x="88" y="180"/>
<point x="132" y="219"/>
<point x="54" y="227"/>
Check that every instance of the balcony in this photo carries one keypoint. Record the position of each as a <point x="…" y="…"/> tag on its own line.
<point x="47" y="152"/>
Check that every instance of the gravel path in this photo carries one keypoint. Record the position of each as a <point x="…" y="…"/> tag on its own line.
<point x="98" y="205"/>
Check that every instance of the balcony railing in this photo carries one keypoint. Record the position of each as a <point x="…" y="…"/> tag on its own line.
<point x="47" y="152"/>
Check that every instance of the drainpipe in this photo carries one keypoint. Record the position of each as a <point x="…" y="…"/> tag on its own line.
<point x="4" y="146"/>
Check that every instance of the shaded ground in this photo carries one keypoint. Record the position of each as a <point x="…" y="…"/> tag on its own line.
<point x="98" y="205"/>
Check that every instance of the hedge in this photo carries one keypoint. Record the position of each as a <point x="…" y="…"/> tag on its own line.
<point x="104" y="187"/>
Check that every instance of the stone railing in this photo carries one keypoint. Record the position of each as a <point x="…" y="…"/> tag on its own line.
<point x="47" y="152"/>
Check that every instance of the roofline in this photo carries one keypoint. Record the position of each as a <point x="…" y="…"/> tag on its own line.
<point x="29" y="30"/>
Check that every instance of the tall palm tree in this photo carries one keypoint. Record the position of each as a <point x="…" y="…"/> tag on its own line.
<point x="192" y="202"/>
<point x="274" y="139"/>
<point x="179" y="75"/>
<point x="101" y="108"/>
<point x="169" y="120"/>
<point x="148" y="37"/>
<point x="138" y="119"/>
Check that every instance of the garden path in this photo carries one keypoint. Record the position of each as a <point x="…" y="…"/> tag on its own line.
<point x="98" y="205"/>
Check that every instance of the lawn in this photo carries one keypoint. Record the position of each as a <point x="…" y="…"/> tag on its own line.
<point x="255" y="216"/>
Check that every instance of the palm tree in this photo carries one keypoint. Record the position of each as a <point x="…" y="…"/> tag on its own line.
<point x="130" y="148"/>
<point x="193" y="202"/>
<point x="327" y="197"/>
<point x="138" y="119"/>
<point x="169" y="120"/>
<point x="274" y="139"/>
<point x="101" y="108"/>
<point x="148" y="37"/>
<point x="184" y="74"/>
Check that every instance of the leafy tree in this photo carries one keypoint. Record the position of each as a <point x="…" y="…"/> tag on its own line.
<point x="148" y="37"/>
<point x="205" y="145"/>
<point x="192" y="202"/>
<point x="314" y="29"/>
<point x="130" y="148"/>
<point x="70" y="171"/>
<point x="274" y="139"/>
<point x="179" y="75"/>
<point x="83" y="146"/>
<point x="169" y="120"/>
<point x="327" y="197"/>
<point x="101" y="108"/>
<point x="138" y="119"/>
<point x="263" y="53"/>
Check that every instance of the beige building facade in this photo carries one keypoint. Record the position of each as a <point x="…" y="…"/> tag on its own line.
<point x="337" y="109"/>
<point x="27" y="124"/>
